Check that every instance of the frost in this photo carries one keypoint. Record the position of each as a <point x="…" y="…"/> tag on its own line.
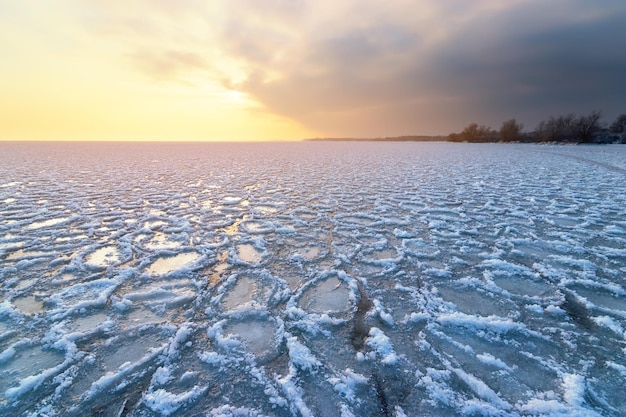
<point x="300" y="355"/>
<point x="381" y="344"/>
<point x="166" y="403"/>
<point x="312" y="279"/>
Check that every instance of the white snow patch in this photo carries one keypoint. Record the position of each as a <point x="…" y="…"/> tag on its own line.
<point x="166" y="403"/>
<point x="300" y="355"/>
<point x="382" y="346"/>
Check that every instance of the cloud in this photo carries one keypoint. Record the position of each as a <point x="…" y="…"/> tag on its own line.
<point x="370" y="68"/>
<point x="167" y="64"/>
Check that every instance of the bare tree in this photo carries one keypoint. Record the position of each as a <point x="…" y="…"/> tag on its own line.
<point x="511" y="131"/>
<point x="474" y="133"/>
<point x="556" y="129"/>
<point x="619" y="125"/>
<point x="587" y="126"/>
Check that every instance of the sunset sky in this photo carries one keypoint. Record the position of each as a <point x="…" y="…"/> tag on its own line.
<point x="293" y="69"/>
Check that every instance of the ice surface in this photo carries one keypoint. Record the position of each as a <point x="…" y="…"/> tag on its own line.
<point x="246" y="252"/>
<point x="28" y="305"/>
<point x="258" y="335"/>
<point x="312" y="279"/>
<point x="172" y="263"/>
<point x="103" y="257"/>
<point x="327" y="296"/>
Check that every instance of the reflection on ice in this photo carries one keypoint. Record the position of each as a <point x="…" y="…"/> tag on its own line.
<point x="103" y="257"/>
<point x="169" y="264"/>
<point x="46" y="223"/>
<point x="340" y="279"/>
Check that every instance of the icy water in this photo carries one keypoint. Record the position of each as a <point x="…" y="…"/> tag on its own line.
<point x="312" y="279"/>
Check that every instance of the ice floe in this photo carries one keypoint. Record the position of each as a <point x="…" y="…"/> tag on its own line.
<point x="312" y="279"/>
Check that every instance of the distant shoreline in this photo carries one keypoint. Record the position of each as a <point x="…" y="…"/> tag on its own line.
<point x="385" y="139"/>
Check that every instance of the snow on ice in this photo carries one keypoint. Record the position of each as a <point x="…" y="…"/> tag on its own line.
<point x="312" y="279"/>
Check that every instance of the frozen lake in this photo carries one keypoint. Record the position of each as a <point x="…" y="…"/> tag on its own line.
<point x="312" y="279"/>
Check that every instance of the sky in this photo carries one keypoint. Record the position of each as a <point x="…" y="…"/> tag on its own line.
<point x="292" y="69"/>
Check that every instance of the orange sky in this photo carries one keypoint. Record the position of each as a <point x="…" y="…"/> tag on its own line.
<point x="73" y="70"/>
<point x="293" y="69"/>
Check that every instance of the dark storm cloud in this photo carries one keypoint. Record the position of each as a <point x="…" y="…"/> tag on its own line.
<point x="561" y="67"/>
<point x="528" y="61"/>
<point x="371" y="68"/>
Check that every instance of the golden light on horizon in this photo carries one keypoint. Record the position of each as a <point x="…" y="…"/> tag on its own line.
<point x="285" y="70"/>
<point x="60" y="81"/>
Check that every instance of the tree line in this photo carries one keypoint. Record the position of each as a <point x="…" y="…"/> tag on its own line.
<point x="568" y="128"/>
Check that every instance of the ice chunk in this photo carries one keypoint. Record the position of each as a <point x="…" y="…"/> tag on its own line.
<point x="162" y="241"/>
<point x="80" y="296"/>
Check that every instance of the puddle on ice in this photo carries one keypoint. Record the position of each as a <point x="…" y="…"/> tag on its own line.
<point x="233" y="229"/>
<point x="103" y="257"/>
<point x="27" y="362"/>
<point x="248" y="253"/>
<point x="28" y="305"/>
<point x="330" y="295"/>
<point x="360" y="221"/>
<point x="114" y="357"/>
<point x="258" y="335"/>
<point x="246" y="291"/>
<point x="169" y="264"/>
<point x="266" y="209"/>
<point x="64" y="278"/>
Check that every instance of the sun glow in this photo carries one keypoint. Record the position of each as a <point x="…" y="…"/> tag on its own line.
<point x="66" y="78"/>
<point x="236" y="96"/>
